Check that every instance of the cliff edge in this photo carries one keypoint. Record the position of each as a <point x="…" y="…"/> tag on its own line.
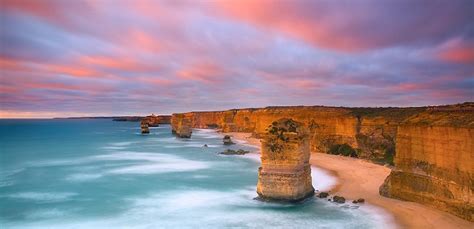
<point x="431" y="148"/>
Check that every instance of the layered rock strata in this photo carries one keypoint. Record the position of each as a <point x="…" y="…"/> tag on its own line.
<point x="181" y="125"/>
<point x="434" y="162"/>
<point x="156" y="120"/>
<point x="371" y="132"/>
<point x="431" y="147"/>
<point x="144" y="127"/>
<point x="285" y="173"/>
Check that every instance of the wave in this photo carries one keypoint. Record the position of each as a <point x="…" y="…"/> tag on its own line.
<point x="7" y="176"/>
<point x="206" y="133"/>
<point x="322" y="180"/>
<point x="121" y="143"/>
<point x="222" y="209"/>
<point x="43" y="197"/>
<point x="79" y="177"/>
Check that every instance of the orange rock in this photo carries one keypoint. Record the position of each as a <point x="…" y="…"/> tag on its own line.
<point x="434" y="164"/>
<point x="144" y="127"/>
<point x="285" y="173"/>
<point x="182" y="125"/>
<point x="431" y="147"/>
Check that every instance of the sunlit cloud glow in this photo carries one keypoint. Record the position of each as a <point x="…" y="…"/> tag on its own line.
<point x="73" y="58"/>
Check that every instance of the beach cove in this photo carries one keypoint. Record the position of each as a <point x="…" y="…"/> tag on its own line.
<point x="357" y="178"/>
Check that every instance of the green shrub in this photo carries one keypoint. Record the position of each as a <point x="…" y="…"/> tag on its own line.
<point x="389" y="155"/>
<point x="342" y="149"/>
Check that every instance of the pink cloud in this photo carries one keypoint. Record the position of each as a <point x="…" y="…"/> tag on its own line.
<point x="459" y="54"/>
<point x="352" y="27"/>
<point x="206" y="72"/>
<point x="118" y="63"/>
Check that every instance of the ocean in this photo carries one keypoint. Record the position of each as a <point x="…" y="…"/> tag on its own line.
<point x="96" y="173"/>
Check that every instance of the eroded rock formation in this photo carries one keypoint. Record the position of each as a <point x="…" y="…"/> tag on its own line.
<point x="227" y="140"/>
<point x="434" y="161"/>
<point x="285" y="173"/>
<point x="370" y="132"/>
<point x="181" y="125"/>
<point x="437" y="141"/>
<point x="156" y="120"/>
<point x="144" y="127"/>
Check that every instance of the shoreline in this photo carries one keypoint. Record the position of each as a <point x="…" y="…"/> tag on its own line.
<point x="357" y="178"/>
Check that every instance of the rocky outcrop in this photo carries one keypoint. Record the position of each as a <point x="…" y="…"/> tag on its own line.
<point x="234" y="152"/>
<point x="182" y="125"/>
<point x="369" y="132"/>
<point x="285" y="173"/>
<point x="156" y="120"/>
<point x="434" y="162"/>
<point x="339" y="199"/>
<point x="227" y="140"/>
<point x="430" y="147"/>
<point x="323" y="195"/>
<point x="144" y="127"/>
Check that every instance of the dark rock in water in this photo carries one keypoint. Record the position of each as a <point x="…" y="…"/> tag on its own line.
<point x="339" y="199"/>
<point x="234" y="152"/>
<point x="360" y="200"/>
<point x="227" y="140"/>
<point x="144" y="127"/>
<point x="205" y="145"/>
<point x="323" y="195"/>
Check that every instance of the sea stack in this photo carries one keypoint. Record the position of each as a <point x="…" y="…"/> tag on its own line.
<point x="182" y="126"/>
<point x="152" y="120"/>
<point x="144" y="126"/>
<point x="227" y="140"/>
<point x="285" y="173"/>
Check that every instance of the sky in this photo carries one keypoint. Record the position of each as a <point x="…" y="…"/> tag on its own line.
<point x="61" y="58"/>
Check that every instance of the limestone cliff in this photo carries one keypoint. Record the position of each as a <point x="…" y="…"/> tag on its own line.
<point x="434" y="161"/>
<point x="156" y="120"/>
<point x="182" y="125"/>
<point x="431" y="147"/>
<point x="369" y="131"/>
<point x="285" y="173"/>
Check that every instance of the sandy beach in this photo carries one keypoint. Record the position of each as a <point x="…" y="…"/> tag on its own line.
<point x="361" y="179"/>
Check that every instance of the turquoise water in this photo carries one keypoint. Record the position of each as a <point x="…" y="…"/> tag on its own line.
<point x="104" y="174"/>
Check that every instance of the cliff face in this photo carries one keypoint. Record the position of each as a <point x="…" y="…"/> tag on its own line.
<point x="431" y="147"/>
<point x="182" y="125"/>
<point x="155" y="120"/>
<point x="370" y="131"/>
<point x="434" y="162"/>
<point x="285" y="173"/>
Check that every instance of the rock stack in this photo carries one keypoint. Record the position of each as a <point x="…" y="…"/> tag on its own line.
<point x="285" y="173"/>
<point x="152" y="120"/>
<point x="227" y="140"/>
<point x="144" y="127"/>
<point x="182" y="126"/>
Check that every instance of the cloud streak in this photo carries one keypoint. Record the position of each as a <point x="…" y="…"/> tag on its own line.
<point x="136" y="57"/>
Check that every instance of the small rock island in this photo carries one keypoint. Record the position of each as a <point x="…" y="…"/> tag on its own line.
<point x="144" y="127"/>
<point x="285" y="173"/>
